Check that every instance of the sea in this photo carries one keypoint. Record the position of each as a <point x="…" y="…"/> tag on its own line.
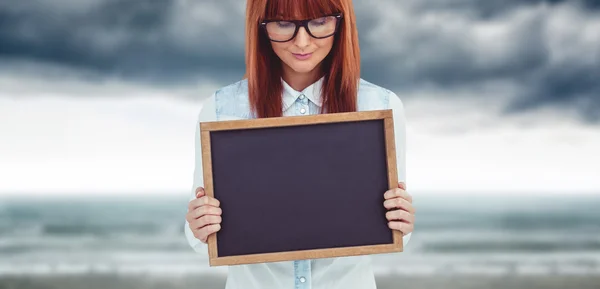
<point x="455" y="234"/>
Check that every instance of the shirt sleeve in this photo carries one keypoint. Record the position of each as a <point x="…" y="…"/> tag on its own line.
<point x="207" y="113"/>
<point x="400" y="137"/>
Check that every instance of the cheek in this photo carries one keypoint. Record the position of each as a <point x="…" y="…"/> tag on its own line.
<point x="325" y="44"/>
<point x="279" y="48"/>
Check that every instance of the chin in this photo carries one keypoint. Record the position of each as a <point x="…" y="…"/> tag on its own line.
<point x="304" y="69"/>
<point x="301" y="67"/>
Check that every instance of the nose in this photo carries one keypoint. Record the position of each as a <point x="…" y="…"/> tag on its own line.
<point x="302" y="39"/>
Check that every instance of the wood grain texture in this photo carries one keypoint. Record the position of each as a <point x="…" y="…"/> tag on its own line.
<point x="392" y="169"/>
<point x="295" y="120"/>
<point x="208" y="185"/>
<point x="304" y="254"/>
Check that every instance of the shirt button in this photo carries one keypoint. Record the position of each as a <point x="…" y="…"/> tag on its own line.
<point x="302" y="279"/>
<point x="302" y="96"/>
<point x="302" y="111"/>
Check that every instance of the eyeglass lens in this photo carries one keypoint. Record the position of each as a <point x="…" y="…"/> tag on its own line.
<point x="284" y="30"/>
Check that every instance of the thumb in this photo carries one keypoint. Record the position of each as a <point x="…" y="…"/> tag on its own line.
<point x="200" y="192"/>
<point x="402" y="185"/>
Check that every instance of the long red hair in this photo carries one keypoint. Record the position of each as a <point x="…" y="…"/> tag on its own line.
<point x="340" y="69"/>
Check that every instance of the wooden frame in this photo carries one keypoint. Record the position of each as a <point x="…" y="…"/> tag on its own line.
<point x="207" y="127"/>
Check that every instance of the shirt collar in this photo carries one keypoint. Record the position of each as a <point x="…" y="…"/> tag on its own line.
<point x="312" y="92"/>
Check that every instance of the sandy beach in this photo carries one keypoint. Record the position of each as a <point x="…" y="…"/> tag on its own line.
<point x="218" y="282"/>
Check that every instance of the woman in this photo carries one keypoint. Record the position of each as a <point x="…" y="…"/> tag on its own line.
<point x="302" y="57"/>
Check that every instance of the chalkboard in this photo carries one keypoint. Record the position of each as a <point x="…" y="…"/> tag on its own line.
<point x="300" y="187"/>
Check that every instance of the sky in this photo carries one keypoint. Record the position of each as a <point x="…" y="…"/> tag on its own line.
<point x="101" y="97"/>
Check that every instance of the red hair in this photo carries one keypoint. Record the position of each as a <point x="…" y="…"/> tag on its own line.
<point x="340" y="69"/>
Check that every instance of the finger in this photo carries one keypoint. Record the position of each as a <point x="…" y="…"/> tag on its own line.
<point x="207" y="231"/>
<point x="207" y="210"/>
<point x="199" y="193"/>
<point x="196" y="225"/>
<point x="400" y="215"/>
<point x="405" y="228"/>
<point x="209" y="220"/>
<point x="193" y="204"/>
<point x="204" y="220"/>
<point x="398" y="192"/>
<point x="399" y="203"/>
<point x="194" y="215"/>
<point x="201" y="211"/>
<point x="402" y="185"/>
<point x="392" y="193"/>
<point x="205" y="200"/>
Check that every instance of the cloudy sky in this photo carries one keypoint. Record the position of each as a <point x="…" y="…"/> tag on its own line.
<point x="101" y="96"/>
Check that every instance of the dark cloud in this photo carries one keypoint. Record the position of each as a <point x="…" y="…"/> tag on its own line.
<point x="434" y="58"/>
<point x="495" y="8"/>
<point x="164" y="42"/>
<point x="132" y="39"/>
<point x="566" y="87"/>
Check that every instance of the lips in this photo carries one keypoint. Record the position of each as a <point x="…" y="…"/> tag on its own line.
<point x="302" y="56"/>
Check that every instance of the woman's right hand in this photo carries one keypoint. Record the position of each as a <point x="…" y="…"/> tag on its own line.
<point x="204" y="215"/>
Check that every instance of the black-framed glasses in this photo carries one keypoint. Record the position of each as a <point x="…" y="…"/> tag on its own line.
<point x="286" y="30"/>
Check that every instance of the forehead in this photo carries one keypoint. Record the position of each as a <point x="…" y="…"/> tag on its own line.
<point x="300" y="9"/>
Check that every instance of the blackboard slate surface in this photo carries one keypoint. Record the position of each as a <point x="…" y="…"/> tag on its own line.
<point x="311" y="186"/>
<point x="276" y="180"/>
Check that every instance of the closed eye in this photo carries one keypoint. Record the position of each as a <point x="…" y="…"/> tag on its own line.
<point x="320" y="21"/>
<point x="285" y="24"/>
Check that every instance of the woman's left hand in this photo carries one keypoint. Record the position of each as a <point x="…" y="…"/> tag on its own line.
<point x="401" y="214"/>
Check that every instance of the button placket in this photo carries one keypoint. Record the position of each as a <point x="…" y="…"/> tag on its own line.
<point x="302" y="272"/>
<point x="302" y="107"/>
<point x="304" y="99"/>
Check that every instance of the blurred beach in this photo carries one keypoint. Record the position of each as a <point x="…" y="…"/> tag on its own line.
<point x="470" y="241"/>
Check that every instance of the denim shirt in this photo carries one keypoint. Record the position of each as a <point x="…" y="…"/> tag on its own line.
<point x="353" y="272"/>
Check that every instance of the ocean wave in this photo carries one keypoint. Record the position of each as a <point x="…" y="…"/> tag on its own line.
<point x="513" y="246"/>
<point x="170" y="269"/>
<point x="82" y="228"/>
<point x="16" y="245"/>
<point x="458" y="241"/>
